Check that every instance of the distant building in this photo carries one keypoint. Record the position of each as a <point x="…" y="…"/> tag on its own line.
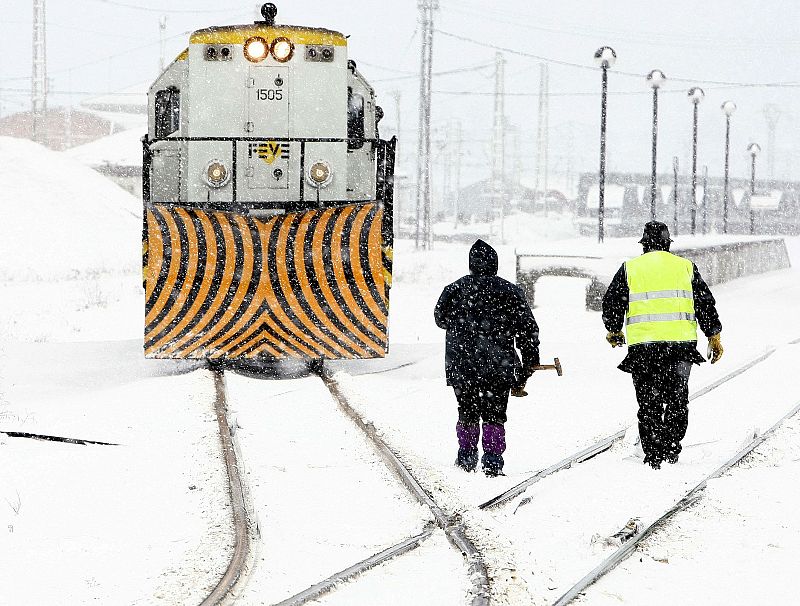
<point x="479" y="201"/>
<point x="62" y="128"/>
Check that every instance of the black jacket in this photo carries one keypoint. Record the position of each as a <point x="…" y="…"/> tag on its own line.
<point x="485" y="316"/>
<point x="644" y="356"/>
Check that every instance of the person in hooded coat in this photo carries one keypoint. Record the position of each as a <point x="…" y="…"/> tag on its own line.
<point x="485" y="317"/>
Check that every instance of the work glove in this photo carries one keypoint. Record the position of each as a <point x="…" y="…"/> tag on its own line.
<point x="715" y="347"/>
<point x="615" y="339"/>
<point x="518" y="391"/>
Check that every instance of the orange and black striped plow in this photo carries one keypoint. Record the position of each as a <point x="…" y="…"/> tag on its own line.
<point x="301" y="285"/>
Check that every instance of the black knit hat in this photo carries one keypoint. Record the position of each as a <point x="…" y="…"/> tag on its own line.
<point x="655" y="232"/>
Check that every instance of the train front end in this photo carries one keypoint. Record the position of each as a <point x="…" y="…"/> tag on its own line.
<point x="268" y="200"/>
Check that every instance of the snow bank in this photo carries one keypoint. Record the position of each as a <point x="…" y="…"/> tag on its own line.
<point x="63" y="220"/>
<point x="121" y="149"/>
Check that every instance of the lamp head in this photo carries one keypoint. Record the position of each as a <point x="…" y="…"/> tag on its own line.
<point x="605" y="56"/>
<point x="754" y="149"/>
<point x="728" y="107"/>
<point x="696" y="94"/>
<point x="656" y="78"/>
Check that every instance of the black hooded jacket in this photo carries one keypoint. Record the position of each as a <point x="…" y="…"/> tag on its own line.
<point x="485" y="316"/>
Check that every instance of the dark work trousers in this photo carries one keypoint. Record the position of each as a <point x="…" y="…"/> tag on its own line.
<point x="476" y="402"/>
<point x="663" y="396"/>
<point x="481" y="402"/>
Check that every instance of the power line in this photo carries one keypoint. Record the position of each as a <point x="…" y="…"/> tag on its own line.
<point x="459" y="70"/>
<point x="617" y="72"/>
<point x="649" y="38"/>
<point x="160" y="10"/>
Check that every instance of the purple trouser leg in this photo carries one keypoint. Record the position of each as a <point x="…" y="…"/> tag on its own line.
<point x="494" y="438"/>
<point x="467" y="436"/>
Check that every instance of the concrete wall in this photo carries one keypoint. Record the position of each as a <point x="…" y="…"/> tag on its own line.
<point x="724" y="262"/>
<point x="717" y="263"/>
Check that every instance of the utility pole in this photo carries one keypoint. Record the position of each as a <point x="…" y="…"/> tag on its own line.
<point x="542" y="135"/>
<point x="162" y="37"/>
<point x="424" y="233"/>
<point x="39" y="75"/>
<point x="498" y="143"/>
<point x="458" y="143"/>
<point x="397" y="95"/>
<point x="772" y="114"/>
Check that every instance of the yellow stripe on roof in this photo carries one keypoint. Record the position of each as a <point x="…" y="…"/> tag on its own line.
<point x="238" y="34"/>
<point x="183" y="56"/>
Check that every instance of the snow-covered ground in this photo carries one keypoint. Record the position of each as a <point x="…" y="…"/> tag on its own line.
<point x="739" y="544"/>
<point x="147" y="520"/>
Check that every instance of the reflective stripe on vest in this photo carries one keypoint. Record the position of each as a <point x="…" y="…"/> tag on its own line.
<point x="660" y="302"/>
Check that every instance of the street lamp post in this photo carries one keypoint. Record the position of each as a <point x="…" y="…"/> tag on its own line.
<point x="655" y="79"/>
<point x="728" y="108"/>
<point x="675" y="193"/>
<point x="605" y="58"/>
<point x="754" y="149"/>
<point x="705" y="199"/>
<point x="696" y="95"/>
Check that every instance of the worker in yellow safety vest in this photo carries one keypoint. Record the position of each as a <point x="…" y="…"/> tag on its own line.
<point x="661" y="299"/>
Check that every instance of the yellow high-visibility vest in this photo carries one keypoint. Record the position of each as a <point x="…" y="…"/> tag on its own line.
<point x="661" y="302"/>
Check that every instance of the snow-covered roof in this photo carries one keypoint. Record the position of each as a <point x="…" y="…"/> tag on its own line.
<point x="737" y="195"/>
<point x="121" y="149"/>
<point x="613" y="196"/>
<point x="768" y="201"/>
<point x="566" y="184"/>
<point x="68" y="220"/>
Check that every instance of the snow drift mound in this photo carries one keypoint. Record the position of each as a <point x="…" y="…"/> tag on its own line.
<point x="62" y="219"/>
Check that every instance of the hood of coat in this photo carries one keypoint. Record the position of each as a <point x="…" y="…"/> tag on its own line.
<point x="482" y="259"/>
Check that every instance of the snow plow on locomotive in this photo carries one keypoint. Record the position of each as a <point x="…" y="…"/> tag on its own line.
<point x="268" y="223"/>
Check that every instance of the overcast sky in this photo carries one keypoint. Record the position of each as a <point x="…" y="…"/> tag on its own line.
<point x="96" y="46"/>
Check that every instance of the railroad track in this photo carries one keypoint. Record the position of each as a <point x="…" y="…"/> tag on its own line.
<point x="449" y="523"/>
<point x="606" y="443"/>
<point x="628" y="547"/>
<point x="246" y="531"/>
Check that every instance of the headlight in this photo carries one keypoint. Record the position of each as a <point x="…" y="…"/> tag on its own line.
<point x="282" y="49"/>
<point x="216" y="174"/>
<point x="256" y="49"/>
<point x="320" y="174"/>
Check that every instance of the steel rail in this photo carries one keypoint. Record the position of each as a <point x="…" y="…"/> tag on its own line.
<point x="606" y="443"/>
<point x="235" y="574"/>
<point x="318" y="589"/>
<point x="452" y="526"/>
<point x="627" y="548"/>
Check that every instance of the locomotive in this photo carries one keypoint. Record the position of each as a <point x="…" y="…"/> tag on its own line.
<point x="268" y="200"/>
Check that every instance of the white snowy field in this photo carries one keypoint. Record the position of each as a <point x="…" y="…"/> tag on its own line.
<point x="147" y="521"/>
<point x="71" y="263"/>
<point x="143" y="521"/>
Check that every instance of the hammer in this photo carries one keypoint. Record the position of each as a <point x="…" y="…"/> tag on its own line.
<point x="519" y="390"/>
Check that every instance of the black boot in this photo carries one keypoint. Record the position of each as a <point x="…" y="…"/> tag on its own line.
<point x="653" y="461"/>
<point x="467" y="459"/>
<point x="492" y="465"/>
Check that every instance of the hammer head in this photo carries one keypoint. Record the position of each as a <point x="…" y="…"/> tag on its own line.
<point x="557" y="364"/>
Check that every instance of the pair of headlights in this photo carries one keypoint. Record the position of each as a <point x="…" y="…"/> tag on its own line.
<point x="217" y="174"/>
<point x="256" y="49"/>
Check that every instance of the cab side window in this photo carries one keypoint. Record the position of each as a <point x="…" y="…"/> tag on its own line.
<point x="168" y="112"/>
<point x="355" y="119"/>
